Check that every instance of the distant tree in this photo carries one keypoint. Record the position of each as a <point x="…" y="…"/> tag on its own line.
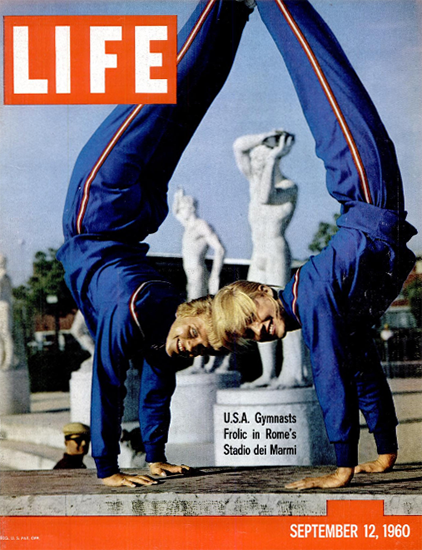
<point x="413" y="292"/>
<point x="31" y="299"/>
<point x="323" y="235"/>
<point x="47" y="280"/>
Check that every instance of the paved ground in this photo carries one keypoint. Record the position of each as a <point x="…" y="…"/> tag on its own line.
<point x="211" y="491"/>
<point x="219" y="491"/>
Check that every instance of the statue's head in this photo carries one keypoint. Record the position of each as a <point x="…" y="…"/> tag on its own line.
<point x="186" y="206"/>
<point x="3" y="262"/>
<point x="273" y="140"/>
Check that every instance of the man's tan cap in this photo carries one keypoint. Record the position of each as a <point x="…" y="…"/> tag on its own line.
<point x="76" y="428"/>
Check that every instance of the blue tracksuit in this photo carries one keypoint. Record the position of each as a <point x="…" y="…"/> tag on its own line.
<point x="338" y="295"/>
<point x="117" y="196"/>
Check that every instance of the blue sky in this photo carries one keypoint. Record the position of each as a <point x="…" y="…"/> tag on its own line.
<point x="39" y="144"/>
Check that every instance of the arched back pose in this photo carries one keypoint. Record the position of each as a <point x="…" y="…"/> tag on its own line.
<point x="339" y="294"/>
<point x="117" y="196"/>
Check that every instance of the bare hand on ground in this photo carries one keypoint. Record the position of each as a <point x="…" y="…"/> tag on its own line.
<point x="163" y="469"/>
<point x="383" y="463"/>
<point x="125" y="480"/>
<point x="340" y="478"/>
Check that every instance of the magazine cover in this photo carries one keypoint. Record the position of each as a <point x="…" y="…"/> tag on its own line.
<point x="210" y="274"/>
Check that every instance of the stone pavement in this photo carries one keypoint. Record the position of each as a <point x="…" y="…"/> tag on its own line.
<point x="221" y="491"/>
<point x="210" y="491"/>
<point x="35" y="441"/>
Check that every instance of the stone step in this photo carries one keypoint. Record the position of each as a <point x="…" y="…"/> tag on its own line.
<point x="19" y="455"/>
<point x="35" y="441"/>
<point x="208" y="492"/>
<point x="55" y="401"/>
<point x="27" y="456"/>
<point x="37" y="428"/>
<point x="50" y="411"/>
<point x="42" y="428"/>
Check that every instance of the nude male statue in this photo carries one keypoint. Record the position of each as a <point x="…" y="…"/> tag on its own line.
<point x="80" y="332"/>
<point x="198" y="238"/>
<point x="272" y="204"/>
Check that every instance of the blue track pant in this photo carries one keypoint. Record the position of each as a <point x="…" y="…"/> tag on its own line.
<point x="339" y="294"/>
<point x="117" y="196"/>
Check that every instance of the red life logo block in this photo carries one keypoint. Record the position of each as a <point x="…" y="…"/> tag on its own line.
<point x="90" y="59"/>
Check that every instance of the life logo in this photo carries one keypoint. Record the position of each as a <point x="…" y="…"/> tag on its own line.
<point x="90" y="59"/>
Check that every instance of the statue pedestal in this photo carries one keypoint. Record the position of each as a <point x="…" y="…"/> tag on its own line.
<point x="263" y="427"/>
<point x="192" y="408"/>
<point x="133" y="383"/>
<point x="228" y="379"/>
<point x="14" y="392"/>
<point x="80" y="395"/>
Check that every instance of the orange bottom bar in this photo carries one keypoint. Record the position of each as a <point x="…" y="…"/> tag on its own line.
<point x="349" y="525"/>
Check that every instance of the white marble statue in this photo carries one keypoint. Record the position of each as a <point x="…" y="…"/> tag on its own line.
<point x="9" y="358"/>
<point x="198" y="238"/>
<point x="272" y="204"/>
<point x="14" y="376"/>
<point x="80" y="332"/>
<point x="80" y="387"/>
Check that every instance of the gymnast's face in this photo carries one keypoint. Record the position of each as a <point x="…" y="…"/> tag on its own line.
<point x="269" y="323"/>
<point x="188" y="338"/>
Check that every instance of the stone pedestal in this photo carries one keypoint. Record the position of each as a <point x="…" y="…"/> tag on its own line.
<point x="80" y="395"/>
<point x="228" y="379"/>
<point x="262" y="427"/>
<point x="192" y="409"/>
<point x="133" y="383"/>
<point x="14" y="391"/>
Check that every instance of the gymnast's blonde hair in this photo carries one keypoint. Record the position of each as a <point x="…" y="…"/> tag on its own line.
<point x="202" y="307"/>
<point x="199" y="306"/>
<point x="233" y="310"/>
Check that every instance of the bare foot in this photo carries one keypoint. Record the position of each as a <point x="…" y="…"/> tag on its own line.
<point x="260" y="382"/>
<point x="340" y="478"/>
<point x="383" y="463"/>
<point x="283" y="382"/>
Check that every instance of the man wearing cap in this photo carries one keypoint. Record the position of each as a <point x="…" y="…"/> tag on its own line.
<point x="76" y="439"/>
